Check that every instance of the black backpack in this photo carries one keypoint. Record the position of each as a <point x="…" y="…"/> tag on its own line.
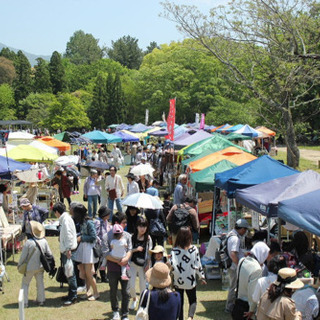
<point x="47" y="261"/>
<point x="180" y="218"/>
<point x="222" y="254"/>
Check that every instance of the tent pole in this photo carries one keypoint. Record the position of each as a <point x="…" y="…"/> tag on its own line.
<point x="213" y="217"/>
<point x="229" y="218"/>
<point x="268" y="238"/>
<point x="279" y="231"/>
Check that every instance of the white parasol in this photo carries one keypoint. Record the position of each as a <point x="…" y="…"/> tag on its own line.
<point x="143" y="200"/>
<point x="142" y="169"/>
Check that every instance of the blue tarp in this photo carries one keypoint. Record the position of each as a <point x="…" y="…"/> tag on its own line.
<point x="260" y="170"/>
<point x="264" y="197"/>
<point x="126" y="137"/>
<point x="97" y="136"/>
<point x="302" y="211"/>
<point x="13" y="166"/>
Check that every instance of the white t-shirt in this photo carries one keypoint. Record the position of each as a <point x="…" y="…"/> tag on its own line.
<point x="119" y="248"/>
<point x="132" y="187"/>
<point x="262" y="285"/>
<point x="234" y="244"/>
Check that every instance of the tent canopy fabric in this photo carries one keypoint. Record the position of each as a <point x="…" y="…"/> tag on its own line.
<point x="97" y="136"/>
<point x="264" y="197"/>
<point x="232" y="128"/>
<point x="139" y="127"/>
<point x="231" y="154"/>
<point x="63" y="136"/>
<point x="227" y="125"/>
<point x="20" y="135"/>
<point x="42" y="146"/>
<point x="204" y="180"/>
<point x="196" y="137"/>
<point x="52" y="142"/>
<point x="126" y="137"/>
<point x="261" y="170"/>
<point x="237" y="136"/>
<point x="215" y="143"/>
<point x="27" y="153"/>
<point x="302" y="211"/>
<point x="246" y="130"/>
<point x="265" y="130"/>
<point x="13" y="166"/>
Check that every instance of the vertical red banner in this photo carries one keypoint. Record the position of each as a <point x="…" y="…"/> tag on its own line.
<point x="171" y="120"/>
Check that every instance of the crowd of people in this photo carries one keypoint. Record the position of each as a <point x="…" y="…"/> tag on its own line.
<point x="128" y="246"/>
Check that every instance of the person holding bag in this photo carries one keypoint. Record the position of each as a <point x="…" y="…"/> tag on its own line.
<point x="30" y="260"/>
<point x="163" y="302"/>
<point x="115" y="189"/>
<point x="140" y="259"/>
<point x="84" y="254"/>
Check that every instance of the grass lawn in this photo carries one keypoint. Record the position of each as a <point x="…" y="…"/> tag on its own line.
<point x="211" y="299"/>
<point x="317" y="148"/>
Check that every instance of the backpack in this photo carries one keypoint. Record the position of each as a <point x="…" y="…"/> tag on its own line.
<point x="47" y="261"/>
<point x="156" y="227"/>
<point x="180" y="218"/>
<point x="222" y="255"/>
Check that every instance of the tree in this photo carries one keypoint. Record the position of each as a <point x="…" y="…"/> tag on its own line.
<point x="97" y="110"/>
<point x="67" y="113"/>
<point x="7" y="103"/>
<point x="126" y="51"/>
<point x="83" y="48"/>
<point x="22" y="83"/>
<point x="269" y="47"/>
<point x="9" y="54"/>
<point x="42" y="81"/>
<point x="119" y="106"/>
<point x="57" y="73"/>
<point x="7" y="71"/>
<point x="37" y="106"/>
<point x="151" y="46"/>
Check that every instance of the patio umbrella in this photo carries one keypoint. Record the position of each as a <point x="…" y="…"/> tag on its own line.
<point x="27" y="153"/>
<point x="142" y="169"/>
<point x="67" y="160"/>
<point x="143" y="200"/>
<point x="98" y="165"/>
<point x="33" y="175"/>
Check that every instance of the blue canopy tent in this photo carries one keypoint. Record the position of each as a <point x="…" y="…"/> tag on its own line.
<point x="264" y="197"/>
<point x="139" y="127"/>
<point x="246" y="130"/>
<point x="159" y="133"/>
<point x="254" y="172"/>
<point x="233" y="129"/>
<point x="97" y="136"/>
<point x="302" y="211"/>
<point x="126" y="137"/>
<point x="5" y="171"/>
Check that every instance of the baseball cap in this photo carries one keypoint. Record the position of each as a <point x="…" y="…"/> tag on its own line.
<point x="242" y="223"/>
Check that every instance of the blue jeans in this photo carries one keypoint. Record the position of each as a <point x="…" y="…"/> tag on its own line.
<point x="72" y="281"/>
<point x="111" y="205"/>
<point x="92" y="201"/>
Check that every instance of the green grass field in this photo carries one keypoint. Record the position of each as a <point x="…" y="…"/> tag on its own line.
<point x="211" y="299"/>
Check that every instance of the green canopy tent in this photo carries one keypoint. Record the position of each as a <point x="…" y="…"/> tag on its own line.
<point x="215" y="143"/>
<point x="63" y="136"/>
<point x="204" y="180"/>
<point x="237" y="136"/>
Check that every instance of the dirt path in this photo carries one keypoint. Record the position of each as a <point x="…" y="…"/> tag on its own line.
<point x="312" y="155"/>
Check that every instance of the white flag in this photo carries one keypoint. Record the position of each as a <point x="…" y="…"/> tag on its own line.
<point x="147" y="117"/>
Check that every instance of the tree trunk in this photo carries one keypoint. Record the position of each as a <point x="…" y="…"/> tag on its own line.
<point x="293" y="154"/>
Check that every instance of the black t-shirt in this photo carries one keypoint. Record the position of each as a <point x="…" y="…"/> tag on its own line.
<point x="139" y="257"/>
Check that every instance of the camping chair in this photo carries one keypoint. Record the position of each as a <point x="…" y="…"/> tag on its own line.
<point x="9" y="232"/>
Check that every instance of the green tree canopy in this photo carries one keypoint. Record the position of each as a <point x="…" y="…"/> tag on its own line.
<point x="83" y="48"/>
<point x="9" y="54"/>
<point x="126" y="51"/>
<point x="7" y="70"/>
<point x="67" y="114"/>
<point x="57" y="73"/>
<point x="42" y="81"/>
<point x="7" y="103"/>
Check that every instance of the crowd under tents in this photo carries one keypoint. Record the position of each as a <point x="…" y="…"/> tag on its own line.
<point x="264" y="197"/>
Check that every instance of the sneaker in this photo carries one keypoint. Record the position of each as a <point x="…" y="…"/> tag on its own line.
<point x="70" y="302"/>
<point x="116" y="315"/>
<point x="81" y="289"/>
<point x="133" y="305"/>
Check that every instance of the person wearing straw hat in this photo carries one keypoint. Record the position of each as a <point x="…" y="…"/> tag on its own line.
<point x="31" y="255"/>
<point x="163" y="302"/>
<point x="276" y="303"/>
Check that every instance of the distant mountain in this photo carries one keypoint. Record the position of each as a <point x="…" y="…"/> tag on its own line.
<point x="31" y="57"/>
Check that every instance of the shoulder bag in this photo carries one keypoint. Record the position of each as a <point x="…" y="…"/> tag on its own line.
<point x="113" y="192"/>
<point x="143" y="312"/>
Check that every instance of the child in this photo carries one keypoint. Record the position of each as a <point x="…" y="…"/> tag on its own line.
<point x="31" y="255"/>
<point x="158" y="254"/>
<point x="119" y="248"/>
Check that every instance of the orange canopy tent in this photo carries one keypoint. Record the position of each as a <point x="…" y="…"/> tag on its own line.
<point x="52" y="142"/>
<point x="231" y="154"/>
<point x="266" y="130"/>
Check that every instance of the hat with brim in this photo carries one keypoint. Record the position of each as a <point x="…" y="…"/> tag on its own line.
<point x="157" y="249"/>
<point x="288" y="276"/>
<point x="159" y="276"/>
<point x="24" y="202"/>
<point x="130" y="175"/>
<point x="37" y="230"/>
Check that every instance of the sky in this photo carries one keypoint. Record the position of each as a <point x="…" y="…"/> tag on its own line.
<point x="43" y="26"/>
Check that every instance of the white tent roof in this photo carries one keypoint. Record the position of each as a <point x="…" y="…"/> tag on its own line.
<point x="42" y="146"/>
<point x="20" y="135"/>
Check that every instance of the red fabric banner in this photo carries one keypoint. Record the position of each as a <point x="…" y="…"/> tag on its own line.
<point x="171" y="120"/>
